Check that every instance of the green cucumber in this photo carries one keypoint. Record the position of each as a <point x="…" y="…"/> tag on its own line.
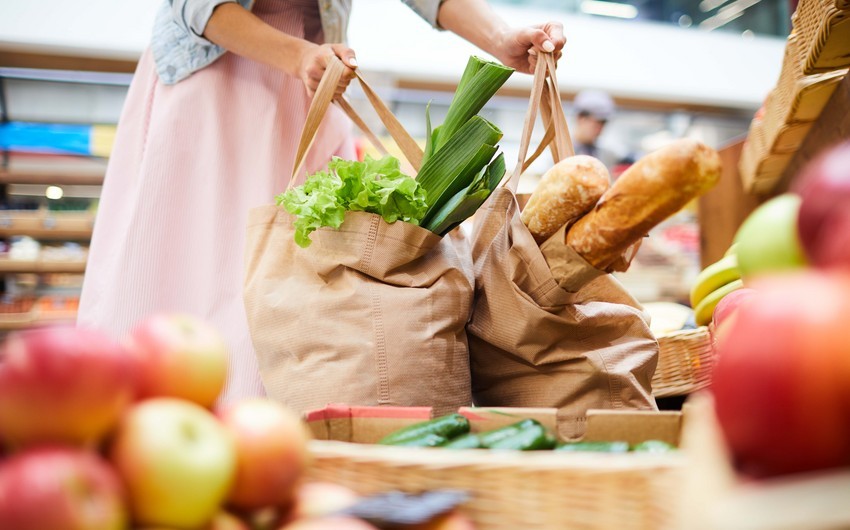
<point x="426" y="440"/>
<point x="447" y="427"/>
<point x="653" y="446"/>
<point x="466" y="441"/>
<point x="594" y="447"/>
<point x="534" y="437"/>
<point x="488" y="438"/>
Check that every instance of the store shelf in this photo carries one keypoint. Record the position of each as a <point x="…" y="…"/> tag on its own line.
<point x="46" y="225"/>
<point x="44" y="311"/>
<point x="42" y="266"/>
<point x="52" y="170"/>
<point x="28" y="321"/>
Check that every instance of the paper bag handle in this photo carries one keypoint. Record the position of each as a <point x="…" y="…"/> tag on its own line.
<point x="544" y="96"/>
<point x="319" y="106"/>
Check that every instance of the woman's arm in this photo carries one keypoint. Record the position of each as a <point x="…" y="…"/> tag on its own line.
<point x="475" y="21"/>
<point x="237" y="30"/>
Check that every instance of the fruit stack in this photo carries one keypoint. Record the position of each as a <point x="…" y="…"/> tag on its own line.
<point x="106" y="435"/>
<point x="781" y="381"/>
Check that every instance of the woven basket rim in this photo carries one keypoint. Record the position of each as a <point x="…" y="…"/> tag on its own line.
<point x="537" y="461"/>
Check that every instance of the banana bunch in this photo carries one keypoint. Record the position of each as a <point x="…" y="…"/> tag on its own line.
<point x="712" y="284"/>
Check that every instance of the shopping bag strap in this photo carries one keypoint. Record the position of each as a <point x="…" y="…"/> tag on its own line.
<point x="545" y="97"/>
<point x="319" y="106"/>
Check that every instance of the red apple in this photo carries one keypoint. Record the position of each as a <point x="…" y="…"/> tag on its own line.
<point x="181" y="356"/>
<point x="824" y="219"/>
<point x="177" y="461"/>
<point x="62" y="384"/>
<point x="782" y="378"/>
<point x="330" y="523"/>
<point x="315" y="499"/>
<point x="227" y="521"/>
<point x="60" y="488"/>
<point x="271" y="449"/>
<point x="729" y="304"/>
<point x="451" y="521"/>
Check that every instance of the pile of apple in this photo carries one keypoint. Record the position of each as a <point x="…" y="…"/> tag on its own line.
<point x="102" y="435"/>
<point x="781" y="382"/>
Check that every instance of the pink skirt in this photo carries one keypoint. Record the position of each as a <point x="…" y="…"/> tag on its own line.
<point x="188" y="163"/>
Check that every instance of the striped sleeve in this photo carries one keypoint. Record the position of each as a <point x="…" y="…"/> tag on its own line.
<point x="192" y="16"/>
<point x="426" y="9"/>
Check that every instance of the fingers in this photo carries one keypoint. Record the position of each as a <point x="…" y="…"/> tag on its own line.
<point x="316" y="65"/>
<point x="345" y="54"/>
<point x="555" y="32"/>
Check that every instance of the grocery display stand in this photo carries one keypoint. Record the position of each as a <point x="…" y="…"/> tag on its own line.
<point x="41" y="289"/>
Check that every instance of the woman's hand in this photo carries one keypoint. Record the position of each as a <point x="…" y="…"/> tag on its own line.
<point x="518" y="47"/>
<point x="475" y="21"/>
<point x="314" y="62"/>
<point x="236" y="29"/>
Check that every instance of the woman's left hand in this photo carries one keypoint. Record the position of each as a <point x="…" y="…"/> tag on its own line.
<point x="518" y="47"/>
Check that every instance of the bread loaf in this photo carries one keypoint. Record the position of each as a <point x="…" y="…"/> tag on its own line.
<point x="651" y="190"/>
<point x="566" y="192"/>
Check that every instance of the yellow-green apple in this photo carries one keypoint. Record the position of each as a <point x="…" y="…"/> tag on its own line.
<point x="329" y="523"/>
<point x="62" y="384"/>
<point x="824" y="219"/>
<point x="781" y="382"/>
<point x="315" y="499"/>
<point x="177" y="461"/>
<point x="181" y="356"/>
<point x="60" y="488"/>
<point x="768" y="241"/>
<point x="271" y="449"/>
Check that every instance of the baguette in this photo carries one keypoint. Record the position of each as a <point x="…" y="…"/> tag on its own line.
<point x="566" y="192"/>
<point x="657" y="186"/>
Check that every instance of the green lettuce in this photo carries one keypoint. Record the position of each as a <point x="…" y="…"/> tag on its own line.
<point x="375" y="186"/>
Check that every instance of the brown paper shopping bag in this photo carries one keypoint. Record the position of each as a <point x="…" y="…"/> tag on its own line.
<point x="549" y="330"/>
<point x="370" y="314"/>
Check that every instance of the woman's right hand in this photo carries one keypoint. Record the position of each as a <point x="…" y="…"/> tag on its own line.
<point x="314" y="61"/>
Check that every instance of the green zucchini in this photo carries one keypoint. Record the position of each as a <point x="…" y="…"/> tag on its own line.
<point x="426" y="440"/>
<point x="449" y="426"/>
<point x="533" y="437"/>
<point x="595" y="447"/>
<point x="653" y="446"/>
<point x="466" y="441"/>
<point x="490" y="437"/>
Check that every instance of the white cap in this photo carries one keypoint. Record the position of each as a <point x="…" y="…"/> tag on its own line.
<point x="594" y="102"/>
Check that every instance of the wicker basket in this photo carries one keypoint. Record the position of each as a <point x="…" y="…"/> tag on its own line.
<point x="685" y="360"/>
<point x="823" y="30"/>
<point x="515" y="490"/>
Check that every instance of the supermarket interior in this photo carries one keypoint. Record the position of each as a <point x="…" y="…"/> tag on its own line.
<point x="183" y="159"/>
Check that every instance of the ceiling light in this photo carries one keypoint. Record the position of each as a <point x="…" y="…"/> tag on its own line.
<point x="54" y="192"/>
<point x="608" y="9"/>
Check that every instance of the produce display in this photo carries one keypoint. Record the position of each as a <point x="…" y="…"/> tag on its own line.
<point x="106" y="435"/>
<point x="460" y="168"/>
<point x="782" y="375"/>
<point x="452" y="432"/>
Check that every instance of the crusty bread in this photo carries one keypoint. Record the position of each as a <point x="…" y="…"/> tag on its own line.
<point x="566" y="192"/>
<point x="651" y="190"/>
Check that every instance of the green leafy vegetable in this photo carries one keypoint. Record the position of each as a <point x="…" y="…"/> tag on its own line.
<point x="374" y="185"/>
